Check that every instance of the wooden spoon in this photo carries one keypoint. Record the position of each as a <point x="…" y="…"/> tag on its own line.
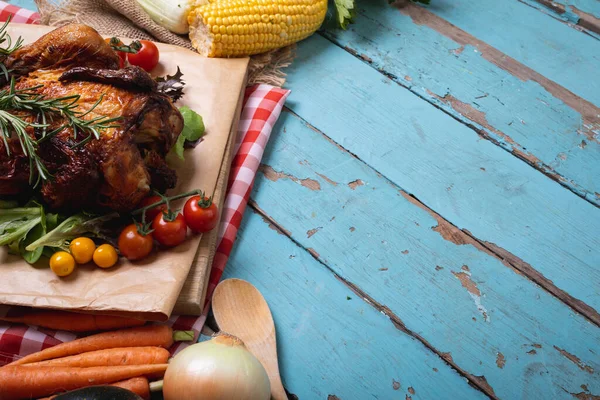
<point x="242" y="311"/>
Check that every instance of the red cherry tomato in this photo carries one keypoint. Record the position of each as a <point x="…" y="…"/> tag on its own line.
<point x="154" y="211"/>
<point x="122" y="55"/>
<point x="146" y="57"/>
<point x="169" y="233"/>
<point x="133" y="245"/>
<point x="201" y="214"/>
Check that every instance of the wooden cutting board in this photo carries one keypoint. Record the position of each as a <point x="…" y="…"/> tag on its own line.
<point x="193" y="293"/>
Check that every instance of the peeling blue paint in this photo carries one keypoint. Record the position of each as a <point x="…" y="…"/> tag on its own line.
<point x="521" y="116"/>
<point x="328" y="344"/>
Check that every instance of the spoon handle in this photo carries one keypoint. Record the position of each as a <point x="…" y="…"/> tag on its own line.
<point x="277" y="390"/>
<point x="266" y="353"/>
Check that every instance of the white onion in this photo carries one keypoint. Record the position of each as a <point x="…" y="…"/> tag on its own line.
<point x="219" y="369"/>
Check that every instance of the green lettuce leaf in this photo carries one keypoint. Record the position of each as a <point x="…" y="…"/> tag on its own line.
<point x="193" y="129"/>
<point x="51" y="221"/>
<point x="34" y="234"/>
<point x="17" y="230"/>
<point x="15" y="223"/>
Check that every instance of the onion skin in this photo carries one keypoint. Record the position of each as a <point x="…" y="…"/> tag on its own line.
<point x="219" y="369"/>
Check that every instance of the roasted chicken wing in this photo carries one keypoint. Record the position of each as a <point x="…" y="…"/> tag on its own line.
<point x="66" y="47"/>
<point x="116" y="171"/>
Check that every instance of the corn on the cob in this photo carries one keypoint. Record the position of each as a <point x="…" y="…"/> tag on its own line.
<point x="170" y="14"/>
<point x="237" y="28"/>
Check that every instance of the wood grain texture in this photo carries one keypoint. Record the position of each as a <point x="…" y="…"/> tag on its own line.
<point x="443" y="286"/>
<point x="332" y="343"/>
<point x="532" y="38"/>
<point x="241" y="310"/>
<point x="584" y="13"/>
<point x="526" y="113"/>
<point x="471" y="182"/>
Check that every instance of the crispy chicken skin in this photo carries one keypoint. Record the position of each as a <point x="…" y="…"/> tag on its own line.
<point x="117" y="171"/>
<point x="69" y="46"/>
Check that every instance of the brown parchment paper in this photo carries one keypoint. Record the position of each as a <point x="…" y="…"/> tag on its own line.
<point x="150" y="288"/>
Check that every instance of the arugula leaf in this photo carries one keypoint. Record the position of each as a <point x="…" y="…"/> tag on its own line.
<point x="13" y="248"/>
<point x="171" y="85"/>
<point x="38" y="231"/>
<point x="17" y="230"/>
<point x="51" y="221"/>
<point x="71" y="228"/>
<point x="193" y="129"/>
<point x="13" y="214"/>
<point x="32" y="256"/>
<point x="15" y="223"/>
<point x="345" y="12"/>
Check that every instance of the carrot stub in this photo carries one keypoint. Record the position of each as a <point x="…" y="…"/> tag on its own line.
<point x="153" y="335"/>
<point x="138" y="385"/>
<point x="18" y="382"/>
<point x="73" y="322"/>
<point x="110" y="357"/>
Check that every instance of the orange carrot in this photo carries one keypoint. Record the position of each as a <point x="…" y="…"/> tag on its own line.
<point x="18" y="382"/>
<point x="138" y="385"/>
<point x="73" y="322"/>
<point x="109" y="357"/>
<point x="152" y="335"/>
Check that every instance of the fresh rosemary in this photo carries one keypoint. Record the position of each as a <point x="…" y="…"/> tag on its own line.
<point x="45" y="110"/>
<point x="7" y="47"/>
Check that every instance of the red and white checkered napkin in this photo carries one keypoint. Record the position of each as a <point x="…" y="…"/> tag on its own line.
<point x="262" y="106"/>
<point x="18" y="14"/>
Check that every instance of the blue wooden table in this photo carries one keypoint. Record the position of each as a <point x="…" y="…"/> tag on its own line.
<point x="425" y="224"/>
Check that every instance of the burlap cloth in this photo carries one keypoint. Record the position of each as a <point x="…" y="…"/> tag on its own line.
<point x="125" y="18"/>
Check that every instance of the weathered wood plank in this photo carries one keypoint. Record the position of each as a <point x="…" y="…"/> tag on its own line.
<point x="28" y="4"/>
<point x="330" y="342"/>
<point x="503" y="330"/>
<point x="471" y="182"/>
<point x="536" y="40"/>
<point x="524" y="112"/>
<point x="585" y="13"/>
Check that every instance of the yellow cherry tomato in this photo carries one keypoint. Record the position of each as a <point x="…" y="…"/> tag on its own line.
<point x="82" y="249"/>
<point x="105" y="256"/>
<point x="62" y="263"/>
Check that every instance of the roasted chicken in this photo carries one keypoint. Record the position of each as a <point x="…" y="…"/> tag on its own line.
<point x="118" y="170"/>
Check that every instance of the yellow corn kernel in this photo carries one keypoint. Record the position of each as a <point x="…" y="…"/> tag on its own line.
<point x="239" y="28"/>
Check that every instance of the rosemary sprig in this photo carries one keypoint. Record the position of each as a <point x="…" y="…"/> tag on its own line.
<point x="7" y="47"/>
<point x="66" y="107"/>
<point x="10" y="122"/>
<point x="45" y="110"/>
